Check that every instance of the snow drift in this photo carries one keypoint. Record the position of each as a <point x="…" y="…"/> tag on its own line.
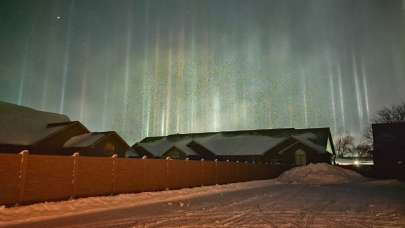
<point x="318" y="174"/>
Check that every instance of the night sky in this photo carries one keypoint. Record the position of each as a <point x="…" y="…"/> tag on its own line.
<point x="158" y="67"/>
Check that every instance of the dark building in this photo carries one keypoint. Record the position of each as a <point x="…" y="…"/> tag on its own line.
<point x="23" y="128"/>
<point x="97" y="144"/>
<point x="389" y="149"/>
<point x="279" y="146"/>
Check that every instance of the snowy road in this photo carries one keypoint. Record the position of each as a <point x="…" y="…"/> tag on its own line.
<point x="268" y="204"/>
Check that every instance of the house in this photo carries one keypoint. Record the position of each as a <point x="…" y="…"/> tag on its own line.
<point x="97" y="144"/>
<point x="280" y="146"/>
<point x="389" y="149"/>
<point x="302" y="147"/>
<point x="23" y="128"/>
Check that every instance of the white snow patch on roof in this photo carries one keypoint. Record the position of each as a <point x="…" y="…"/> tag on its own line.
<point x="23" y="126"/>
<point x="319" y="174"/>
<point x="161" y="146"/>
<point x="306" y="139"/>
<point x="83" y="140"/>
<point x="240" y="144"/>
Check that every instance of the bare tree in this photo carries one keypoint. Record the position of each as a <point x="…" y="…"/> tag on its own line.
<point x="364" y="150"/>
<point x="344" y="145"/>
<point x="395" y="113"/>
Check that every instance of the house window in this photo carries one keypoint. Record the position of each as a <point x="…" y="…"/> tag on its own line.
<point x="110" y="148"/>
<point x="300" y="157"/>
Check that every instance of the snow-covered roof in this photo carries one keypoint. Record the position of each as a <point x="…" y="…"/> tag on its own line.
<point x="24" y="126"/>
<point x="83" y="140"/>
<point x="253" y="142"/>
<point x="161" y="146"/>
<point x="89" y="139"/>
<point x="245" y="144"/>
<point x="309" y="140"/>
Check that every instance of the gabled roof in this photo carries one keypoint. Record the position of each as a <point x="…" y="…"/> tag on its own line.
<point x="201" y="150"/>
<point x="243" y="144"/>
<point x="161" y="145"/>
<point x="24" y="126"/>
<point x="236" y="143"/>
<point x="177" y="149"/>
<point x="303" y="139"/>
<point x="90" y="139"/>
<point x="307" y="142"/>
<point x="142" y="151"/>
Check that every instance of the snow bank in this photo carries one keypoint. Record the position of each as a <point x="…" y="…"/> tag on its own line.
<point x="320" y="173"/>
<point x="48" y="210"/>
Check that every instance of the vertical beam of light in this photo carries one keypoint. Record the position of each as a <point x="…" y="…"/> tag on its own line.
<point x="216" y="112"/>
<point x="194" y="79"/>
<point x="66" y="58"/>
<point x="45" y="88"/>
<point x="341" y="98"/>
<point x="304" y="96"/>
<point x="179" y="78"/>
<point x="146" y="92"/>
<point x="290" y="109"/>
<point x="169" y="84"/>
<point x="162" y="123"/>
<point x="332" y="92"/>
<point x="157" y="111"/>
<point x="49" y="59"/>
<point x="105" y="100"/>
<point x="83" y="88"/>
<point x="365" y="89"/>
<point x="27" y="51"/>
<point x="83" y="83"/>
<point x="127" y="72"/>
<point x="358" y="94"/>
<point x="44" y="95"/>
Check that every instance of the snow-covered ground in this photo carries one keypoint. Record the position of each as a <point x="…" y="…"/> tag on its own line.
<point x="344" y="200"/>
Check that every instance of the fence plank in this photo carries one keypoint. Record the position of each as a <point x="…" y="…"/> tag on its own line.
<point x="9" y="181"/>
<point x="48" y="178"/>
<point x="130" y="175"/>
<point x="94" y="176"/>
<point x="155" y="175"/>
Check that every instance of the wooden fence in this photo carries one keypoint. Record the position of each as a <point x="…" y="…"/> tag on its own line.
<point x="26" y="178"/>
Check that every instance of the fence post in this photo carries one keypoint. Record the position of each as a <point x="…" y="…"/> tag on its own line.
<point x="114" y="173"/>
<point x="202" y="171"/>
<point x="216" y="171"/>
<point x="167" y="172"/>
<point x="22" y="175"/>
<point x="75" y="173"/>
<point x="144" y="160"/>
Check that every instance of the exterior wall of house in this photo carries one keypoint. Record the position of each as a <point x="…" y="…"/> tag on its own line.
<point x="389" y="149"/>
<point x="289" y="155"/>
